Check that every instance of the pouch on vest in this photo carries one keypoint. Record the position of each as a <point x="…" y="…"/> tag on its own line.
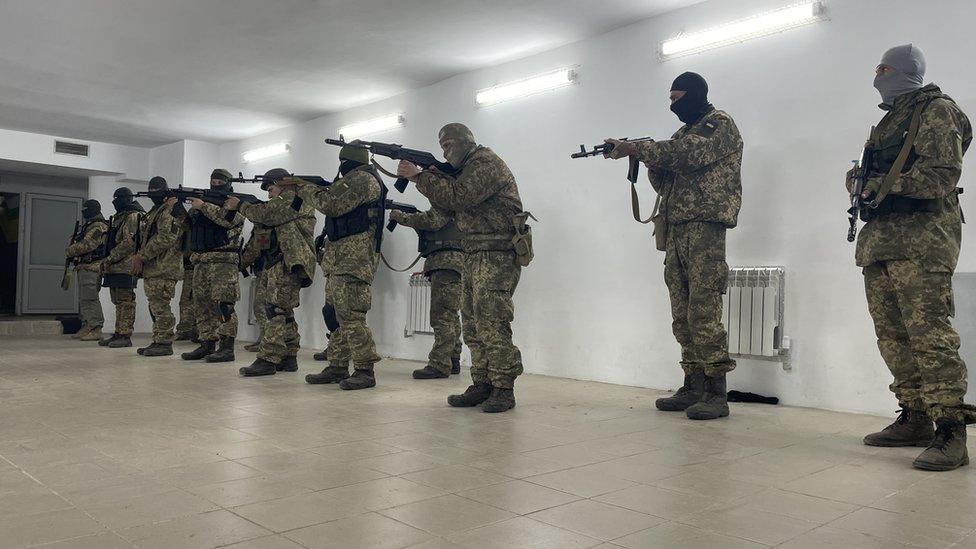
<point x="522" y="241"/>
<point x="660" y="226"/>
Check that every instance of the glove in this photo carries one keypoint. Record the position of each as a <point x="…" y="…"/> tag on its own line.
<point x="871" y="187"/>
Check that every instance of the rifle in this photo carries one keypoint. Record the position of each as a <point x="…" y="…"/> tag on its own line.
<point x="859" y="175"/>
<point x="66" y="277"/>
<point x="604" y="148"/>
<point x="261" y="180"/>
<point x="423" y="159"/>
<point x="207" y="195"/>
<point x="400" y="206"/>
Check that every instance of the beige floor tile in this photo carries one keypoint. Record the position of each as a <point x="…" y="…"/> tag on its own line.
<point x="799" y="506"/>
<point x="214" y="529"/>
<point x="107" y="540"/>
<point x="332" y="476"/>
<point x="437" y="543"/>
<point x="368" y="530"/>
<point x="283" y="462"/>
<point x="455" y="478"/>
<point x="636" y="469"/>
<point x="750" y="524"/>
<point x="572" y="455"/>
<point x="519" y="497"/>
<point x="234" y="493"/>
<point x="148" y="509"/>
<point x="711" y="485"/>
<point x="46" y="528"/>
<point x="596" y="520"/>
<point x="672" y="535"/>
<point x="580" y="482"/>
<point x="826" y="536"/>
<point x="517" y="465"/>
<point x="522" y="532"/>
<point x="354" y="451"/>
<point x="19" y="503"/>
<point x="447" y="515"/>
<point x="281" y="515"/>
<point x="402" y="463"/>
<point x="205" y="473"/>
<point x="909" y="529"/>
<point x="857" y="484"/>
<point x="104" y="492"/>
<point x="659" y="502"/>
<point x="268" y="542"/>
<point x="949" y="504"/>
<point x="382" y="493"/>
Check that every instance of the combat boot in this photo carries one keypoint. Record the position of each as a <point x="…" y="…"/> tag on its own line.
<point x="119" y="341"/>
<point x="947" y="450"/>
<point x="429" y="372"/>
<point x="472" y="396"/>
<point x="455" y="366"/>
<point x="320" y="356"/>
<point x="184" y="336"/>
<point x="501" y="400"/>
<point x="224" y="353"/>
<point x="205" y="348"/>
<point x="360" y="379"/>
<point x="259" y="367"/>
<point x="157" y="349"/>
<point x="714" y="403"/>
<point x="93" y="334"/>
<point x="689" y="393"/>
<point x="253" y="347"/>
<point x="105" y="340"/>
<point x="911" y="428"/>
<point x="288" y="364"/>
<point x="78" y="335"/>
<point x="333" y="373"/>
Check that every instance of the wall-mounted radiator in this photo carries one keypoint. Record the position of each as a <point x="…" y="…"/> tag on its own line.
<point x="754" y="312"/>
<point x="418" y="309"/>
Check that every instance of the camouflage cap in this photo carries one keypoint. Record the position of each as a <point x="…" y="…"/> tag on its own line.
<point x="456" y="131"/>
<point x="356" y="154"/>
<point x="221" y="174"/>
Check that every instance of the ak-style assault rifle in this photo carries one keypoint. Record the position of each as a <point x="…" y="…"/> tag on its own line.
<point x="604" y="149"/>
<point x="210" y="196"/>
<point x="859" y="177"/>
<point x="423" y="159"/>
<point x="66" y="277"/>
<point x="261" y="180"/>
<point x="399" y="206"/>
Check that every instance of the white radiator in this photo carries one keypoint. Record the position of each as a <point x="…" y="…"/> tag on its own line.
<point x="418" y="308"/>
<point x="754" y="311"/>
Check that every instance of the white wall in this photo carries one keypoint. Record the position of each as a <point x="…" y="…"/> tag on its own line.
<point x="594" y="305"/>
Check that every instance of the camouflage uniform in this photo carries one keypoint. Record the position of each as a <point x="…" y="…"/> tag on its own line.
<point x="909" y="251"/>
<point x="86" y="250"/>
<point x="444" y="270"/>
<point x="288" y="265"/>
<point x="349" y="265"/>
<point x="119" y="262"/>
<point x="251" y="259"/>
<point x="216" y="282"/>
<point x="697" y="174"/>
<point x="162" y="259"/>
<point x="484" y="200"/>
<point x="187" y="325"/>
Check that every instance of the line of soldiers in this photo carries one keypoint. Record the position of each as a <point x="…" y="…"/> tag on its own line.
<point x="906" y="193"/>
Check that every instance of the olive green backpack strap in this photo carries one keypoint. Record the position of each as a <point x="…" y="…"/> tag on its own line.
<point x="895" y="172"/>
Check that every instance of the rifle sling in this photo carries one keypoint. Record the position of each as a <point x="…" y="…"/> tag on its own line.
<point x="383" y="170"/>
<point x="895" y="172"/>
<point x="635" y="206"/>
<point x="394" y="269"/>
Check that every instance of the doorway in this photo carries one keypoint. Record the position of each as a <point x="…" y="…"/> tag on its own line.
<point x="9" y="237"/>
<point x="47" y="226"/>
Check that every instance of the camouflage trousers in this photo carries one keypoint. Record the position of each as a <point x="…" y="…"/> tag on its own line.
<point x="90" y="306"/>
<point x="353" y="340"/>
<point x="911" y="307"/>
<point x="124" y="300"/>
<point x="697" y="276"/>
<point x="259" y="304"/>
<point x="445" y="302"/>
<point x="488" y="283"/>
<point x="188" y="316"/>
<point x="279" y="331"/>
<point x="216" y="289"/>
<point x="159" y="293"/>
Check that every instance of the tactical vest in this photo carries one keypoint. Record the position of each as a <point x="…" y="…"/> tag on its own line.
<point x="99" y="252"/>
<point x="207" y="236"/>
<point x="270" y="256"/>
<point x="362" y="218"/>
<point x="111" y="240"/>
<point x="447" y="238"/>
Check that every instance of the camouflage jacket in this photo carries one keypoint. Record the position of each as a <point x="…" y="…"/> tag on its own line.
<point x="126" y="225"/>
<point x="234" y="223"/>
<point x="698" y="171"/>
<point x="483" y="198"/>
<point x="353" y="255"/>
<point x="90" y="237"/>
<point x="432" y="220"/>
<point x="159" y="246"/>
<point x="252" y="250"/>
<point x="290" y="224"/>
<point x="931" y="172"/>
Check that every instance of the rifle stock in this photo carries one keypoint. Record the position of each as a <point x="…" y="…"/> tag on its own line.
<point x="393" y="151"/>
<point x="66" y="276"/>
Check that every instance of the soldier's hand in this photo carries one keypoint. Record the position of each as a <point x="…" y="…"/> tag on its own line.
<point x="195" y="203"/>
<point x="171" y="201"/>
<point x="871" y="187"/>
<point x="136" y="265"/>
<point x="408" y="170"/>
<point x="232" y="203"/>
<point x="620" y="148"/>
<point x="398" y="216"/>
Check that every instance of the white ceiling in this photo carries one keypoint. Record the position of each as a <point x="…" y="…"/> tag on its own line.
<point x="147" y="72"/>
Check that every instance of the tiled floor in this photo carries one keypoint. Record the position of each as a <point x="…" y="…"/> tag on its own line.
<point x="99" y="449"/>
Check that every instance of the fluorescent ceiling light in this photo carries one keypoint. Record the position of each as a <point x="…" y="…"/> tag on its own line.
<point x="528" y="86"/>
<point x="277" y="149"/>
<point x="375" y="125"/>
<point x="764" y="24"/>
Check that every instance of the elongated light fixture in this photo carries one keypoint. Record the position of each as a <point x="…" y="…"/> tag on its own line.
<point x="528" y="86"/>
<point x="373" y="125"/>
<point x="763" y="24"/>
<point x="270" y="151"/>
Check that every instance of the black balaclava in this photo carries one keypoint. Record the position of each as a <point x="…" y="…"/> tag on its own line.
<point x="221" y="175"/>
<point x="157" y="184"/>
<point x="694" y="103"/>
<point x="272" y="177"/>
<point x="90" y="209"/>
<point x="122" y="199"/>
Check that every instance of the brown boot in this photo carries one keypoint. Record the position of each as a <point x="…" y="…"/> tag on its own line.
<point x="77" y="335"/>
<point x="911" y="428"/>
<point x="93" y="334"/>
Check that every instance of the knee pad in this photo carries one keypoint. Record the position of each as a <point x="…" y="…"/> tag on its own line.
<point x="226" y="310"/>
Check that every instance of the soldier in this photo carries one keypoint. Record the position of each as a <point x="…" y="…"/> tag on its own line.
<point x="440" y="245"/>
<point x="159" y="260"/>
<point x="215" y="243"/>
<point x="697" y="176"/>
<point x="485" y="203"/>
<point x="251" y="260"/>
<point x="186" y="329"/>
<point x="120" y="246"/>
<point x="908" y="250"/>
<point x="353" y="206"/>
<point x="288" y="265"/>
<point x="87" y="250"/>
